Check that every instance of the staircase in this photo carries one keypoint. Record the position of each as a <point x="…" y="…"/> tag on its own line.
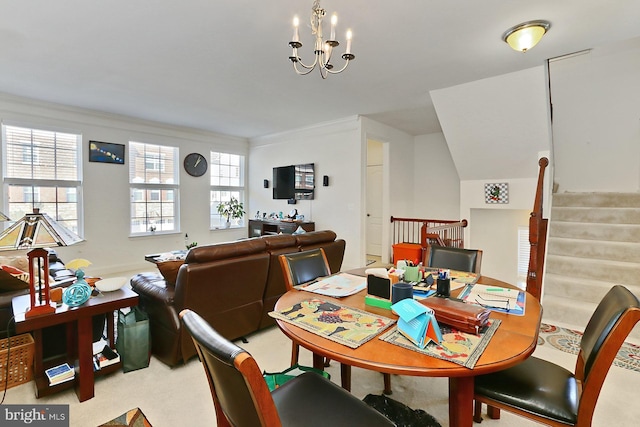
<point x="593" y="244"/>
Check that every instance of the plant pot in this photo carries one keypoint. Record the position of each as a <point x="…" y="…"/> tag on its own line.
<point x="227" y="224"/>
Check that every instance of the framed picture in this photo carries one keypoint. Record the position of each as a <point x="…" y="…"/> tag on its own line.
<point x="496" y="192"/>
<point x="106" y="152"/>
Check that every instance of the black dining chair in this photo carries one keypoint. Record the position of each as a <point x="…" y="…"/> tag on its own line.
<point x="242" y="398"/>
<point x="459" y="259"/>
<point x="552" y="395"/>
<point x="303" y="267"/>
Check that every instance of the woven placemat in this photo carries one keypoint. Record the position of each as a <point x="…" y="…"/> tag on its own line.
<point x="345" y="325"/>
<point x="457" y="347"/>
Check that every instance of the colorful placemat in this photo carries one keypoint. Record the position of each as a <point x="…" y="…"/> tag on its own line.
<point x="457" y="347"/>
<point x="344" y="325"/>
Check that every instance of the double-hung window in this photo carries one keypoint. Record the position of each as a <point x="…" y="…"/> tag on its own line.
<point x="227" y="181"/>
<point x="154" y="188"/>
<point x="41" y="170"/>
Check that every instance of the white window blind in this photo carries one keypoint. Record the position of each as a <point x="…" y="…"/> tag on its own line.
<point x="41" y="171"/>
<point x="154" y="187"/>
<point x="227" y="181"/>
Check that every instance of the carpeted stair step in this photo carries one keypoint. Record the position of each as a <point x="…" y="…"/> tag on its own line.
<point x="575" y="288"/>
<point x="596" y="215"/>
<point x="605" y="200"/>
<point x="603" y="250"/>
<point x="590" y="231"/>
<point x="595" y="269"/>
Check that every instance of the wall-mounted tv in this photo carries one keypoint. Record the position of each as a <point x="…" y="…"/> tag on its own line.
<point x="294" y="182"/>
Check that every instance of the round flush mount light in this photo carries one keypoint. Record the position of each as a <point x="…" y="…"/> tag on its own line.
<point x="524" y="36"/>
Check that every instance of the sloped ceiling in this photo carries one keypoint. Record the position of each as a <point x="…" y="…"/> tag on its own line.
<point x="496" y="127"/>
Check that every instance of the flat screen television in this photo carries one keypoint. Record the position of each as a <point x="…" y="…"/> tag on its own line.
<point x="283" y="182"/>
<point x="294" y="182"/>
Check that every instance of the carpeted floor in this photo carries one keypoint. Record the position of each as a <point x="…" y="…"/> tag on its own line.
<point x="568" y="340"/>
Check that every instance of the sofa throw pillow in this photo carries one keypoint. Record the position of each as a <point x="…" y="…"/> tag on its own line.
<point x="10" y="283"/>
<point x="169" y="270"/>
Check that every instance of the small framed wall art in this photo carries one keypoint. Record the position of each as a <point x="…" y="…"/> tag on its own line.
<point x="496" y="192"/>
<point x="106" y="152"/>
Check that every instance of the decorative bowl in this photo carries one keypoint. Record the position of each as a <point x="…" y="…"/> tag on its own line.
<point x="111" y="284"/>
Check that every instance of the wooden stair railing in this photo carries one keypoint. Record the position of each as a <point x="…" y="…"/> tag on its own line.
<point x="426" y="232"/>
<point x="537" y="237"/>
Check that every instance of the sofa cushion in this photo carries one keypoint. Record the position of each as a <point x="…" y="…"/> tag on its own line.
<point x="9" y="282"/>
<point x="169" y="270"/>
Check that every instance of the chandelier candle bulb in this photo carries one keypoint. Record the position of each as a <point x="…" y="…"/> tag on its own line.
<point x="334" y="21"/>
<point x="348" y="51"/>
<point x="296" y="22"/>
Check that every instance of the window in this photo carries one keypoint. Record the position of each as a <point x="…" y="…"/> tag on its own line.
<point x="153" y="180"/>
<point x="41" y="171"/>
<point x="227" y="181"/>
<point x="523" y="256"/>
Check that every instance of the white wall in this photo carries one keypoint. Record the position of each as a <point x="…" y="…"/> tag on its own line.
<point x="336" y="151"/>
<point x="106" y="186"/>
<point x="596" y="126"/>
<point x="437" y="186"/>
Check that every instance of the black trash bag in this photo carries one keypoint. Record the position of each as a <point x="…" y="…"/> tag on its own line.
<point x="399" y="413"/>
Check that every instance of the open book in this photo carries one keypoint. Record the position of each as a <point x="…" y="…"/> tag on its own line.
<point x="494" y="297"/>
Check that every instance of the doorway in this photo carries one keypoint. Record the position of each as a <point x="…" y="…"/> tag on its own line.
<point x="374" y="203"/>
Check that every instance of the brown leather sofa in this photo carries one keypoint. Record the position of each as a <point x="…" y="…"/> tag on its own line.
<point x="232" y="285"/>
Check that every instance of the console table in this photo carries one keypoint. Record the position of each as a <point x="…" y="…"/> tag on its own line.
<point x="79" y="338"/>
<point x="260" y="227"/>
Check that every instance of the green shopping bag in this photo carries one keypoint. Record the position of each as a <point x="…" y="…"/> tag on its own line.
<point x="133" y="341"/>
<point x="276" y="379"/>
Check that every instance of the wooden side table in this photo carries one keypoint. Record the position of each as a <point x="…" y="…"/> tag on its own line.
<point x="79" y="338"/>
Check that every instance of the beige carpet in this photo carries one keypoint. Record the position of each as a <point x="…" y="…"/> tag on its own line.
<point x="180" y="396"/>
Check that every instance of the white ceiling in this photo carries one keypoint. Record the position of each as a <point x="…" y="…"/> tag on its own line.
<point x="223" y="66"/>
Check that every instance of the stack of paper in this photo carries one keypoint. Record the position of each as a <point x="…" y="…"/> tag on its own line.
<point x="491" y="296"/>
<point x="340" y="285"/>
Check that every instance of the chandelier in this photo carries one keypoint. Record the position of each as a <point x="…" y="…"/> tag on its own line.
<point x="322" y="49"/>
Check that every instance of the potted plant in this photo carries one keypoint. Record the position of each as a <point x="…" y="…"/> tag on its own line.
<point x="233" y="209"/>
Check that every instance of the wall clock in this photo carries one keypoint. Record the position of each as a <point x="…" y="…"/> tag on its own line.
<point x="195" y="164"/>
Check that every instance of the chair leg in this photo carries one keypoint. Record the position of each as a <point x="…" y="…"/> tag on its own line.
<point x="493" y="412"/>
<point x="387" y="384"/>
<point x="477" y="411"/>
<point x="326" y="362"/>
<point x="295" y="351"/>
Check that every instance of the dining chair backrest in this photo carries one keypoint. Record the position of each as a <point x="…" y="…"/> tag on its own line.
<point x="305" y="266"/>
<point x="608" y="327"/>
<point x="459" y="259"/>
<point x="240" y="394"/>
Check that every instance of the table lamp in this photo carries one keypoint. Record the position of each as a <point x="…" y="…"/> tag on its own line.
<point x="37" y="231"/>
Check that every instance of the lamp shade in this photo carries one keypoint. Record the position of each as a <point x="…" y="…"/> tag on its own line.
<point x="524" y="36"/>
<point x="36" y="230"/>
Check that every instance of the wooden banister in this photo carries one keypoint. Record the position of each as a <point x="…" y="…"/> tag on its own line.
<point x="537" y="237"/>
<point x="426" y="231"/>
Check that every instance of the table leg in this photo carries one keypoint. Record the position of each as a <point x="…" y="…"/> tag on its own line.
<point x="318" y="361"/>
<point x="110" y="330"/>
<point x="460" y="401"/>
<point x="84" y="384"/>
<point x="345" y="376"/>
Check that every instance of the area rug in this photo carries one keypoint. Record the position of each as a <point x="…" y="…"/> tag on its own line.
<point x="457" y="347"/>
<point x="399" y="413"/>
<point x="568" y="340"/>
<point x="345" y="325"/>
<point x="132" y="418"/>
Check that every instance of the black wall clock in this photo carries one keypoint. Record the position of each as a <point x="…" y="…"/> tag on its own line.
<point x="195" y="164"/>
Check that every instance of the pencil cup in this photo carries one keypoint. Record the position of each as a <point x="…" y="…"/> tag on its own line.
<point x="401" y="291"/>
<point x="412" y="274"/>
<point x="443" y="287"/>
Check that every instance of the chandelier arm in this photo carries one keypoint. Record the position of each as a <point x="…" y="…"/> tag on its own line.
<point x="341" y="69"/>
<point x="308" y="67"/>
<point x="306" y="71"/>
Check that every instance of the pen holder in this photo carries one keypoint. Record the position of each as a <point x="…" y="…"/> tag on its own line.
<point x="412" y="274"/>
<point x="443" y="287"/>
<point x="400" y="291"/>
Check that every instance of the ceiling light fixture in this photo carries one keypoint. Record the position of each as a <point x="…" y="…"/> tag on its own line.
<point x="322" y="49"/>
<point x="524" y="36"/>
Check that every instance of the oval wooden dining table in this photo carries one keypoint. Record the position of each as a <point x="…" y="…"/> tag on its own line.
<point x="514" y="341"/>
